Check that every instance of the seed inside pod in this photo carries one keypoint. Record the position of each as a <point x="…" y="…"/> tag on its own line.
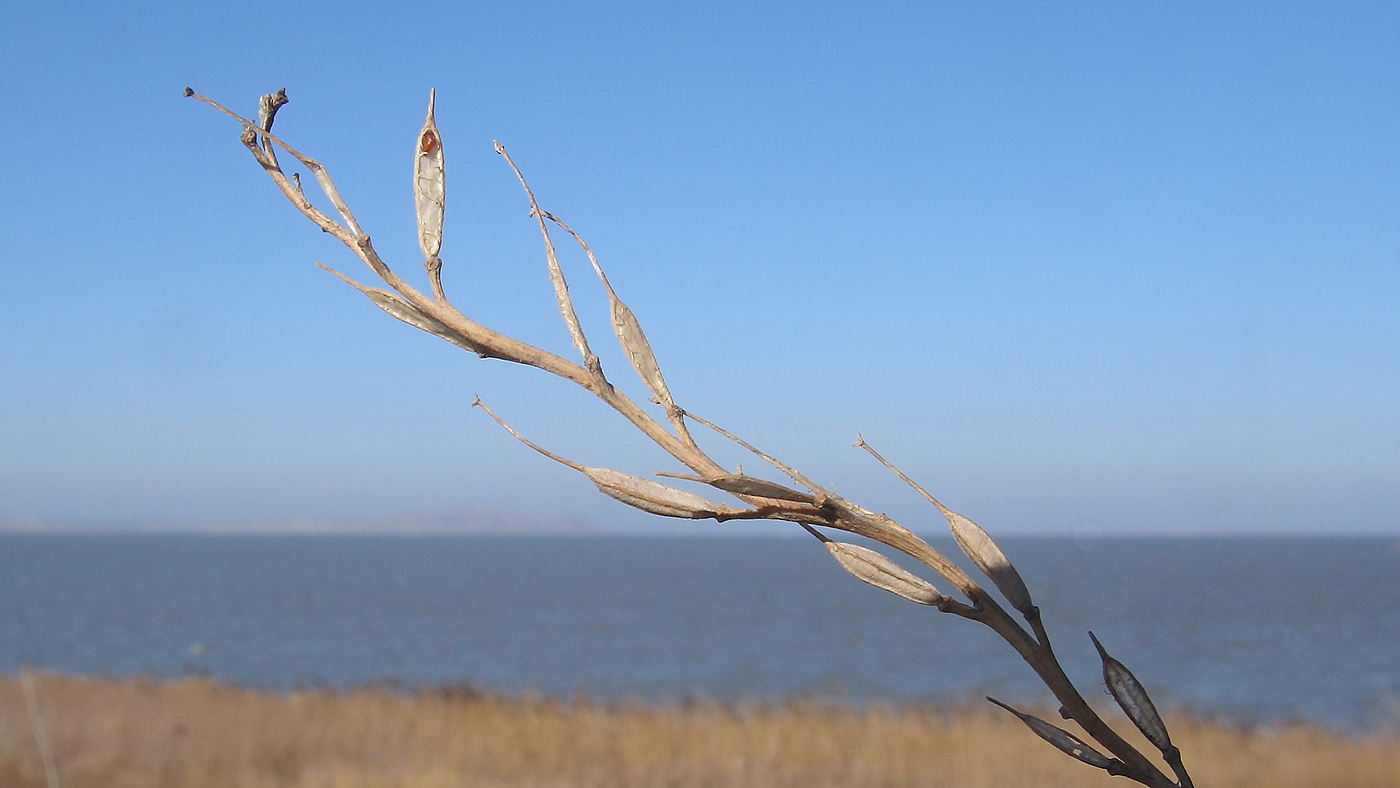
<point x="429" y="184"/>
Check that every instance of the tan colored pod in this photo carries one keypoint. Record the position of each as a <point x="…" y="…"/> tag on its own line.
<point x="877" y="570"/>
<point x="638" y="349"/>
<point x="429" y="184"/>
<point x="984" y="552"/>
<point x="409" y="314"/>
<point x="652" y="496"/>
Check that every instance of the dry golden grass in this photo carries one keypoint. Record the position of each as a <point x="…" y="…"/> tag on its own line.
<point x="195" y="733"/>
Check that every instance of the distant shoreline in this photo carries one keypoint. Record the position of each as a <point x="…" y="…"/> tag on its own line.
<point x="586" y="529"/>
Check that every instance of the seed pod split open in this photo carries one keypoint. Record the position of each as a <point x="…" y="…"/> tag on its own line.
<point x="1063" y="740"/>
<point x="429" y="184"/>
<point x="984" y="552"/>
<point x="1132" y="698"/>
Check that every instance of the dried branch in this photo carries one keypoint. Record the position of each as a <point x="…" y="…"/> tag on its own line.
<point x="763" y="499"/>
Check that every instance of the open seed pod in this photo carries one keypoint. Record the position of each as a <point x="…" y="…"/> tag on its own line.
<point x="429" y="184"/>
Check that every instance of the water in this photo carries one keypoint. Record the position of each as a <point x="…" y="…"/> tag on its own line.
<point x="1254" y="629"/>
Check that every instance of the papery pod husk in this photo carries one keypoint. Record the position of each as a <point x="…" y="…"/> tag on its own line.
<point x="984" y="552"/>
<point x="652" y="496"/>
<point x="1062" y="739"/>
<point x="761" y="488"/>
<point x="1133" y="699"/>
<point x="409" y="314"/>
<point x="877" y="570"/>
<point x="429" y="184"/>
<point x="638" y="349"/>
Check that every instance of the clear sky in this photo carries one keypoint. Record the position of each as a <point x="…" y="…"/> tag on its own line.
<point x="1087" y="267"/>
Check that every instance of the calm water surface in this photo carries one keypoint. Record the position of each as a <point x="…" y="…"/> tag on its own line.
<point x="1251" y="628"/>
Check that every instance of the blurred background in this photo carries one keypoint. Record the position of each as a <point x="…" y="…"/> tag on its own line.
<point x="1090" y="269"/>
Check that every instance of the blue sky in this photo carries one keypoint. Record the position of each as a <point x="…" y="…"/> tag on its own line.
<point x="1096" y="268"/>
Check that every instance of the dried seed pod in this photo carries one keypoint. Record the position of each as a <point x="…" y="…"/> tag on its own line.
<point x="652" y="496"/>
<point x="1063" y="740"/>
<point x="638" y="349"/>
<point x="644" y="494"/>
<point x="429" y="184"/>
<point x="1133" y="699"/>
<point x="409" y="314"/>
<point x="625" y="325"/>
<point x="984" y="552"/>
<point x="871" y="567"/>
<point x="762" y="488"/>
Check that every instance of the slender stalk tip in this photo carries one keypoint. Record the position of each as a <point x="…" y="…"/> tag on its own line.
<point x="1103" y="654"/>
<point x="188" y="92"/>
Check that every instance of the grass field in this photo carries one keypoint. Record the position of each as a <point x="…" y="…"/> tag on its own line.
<point x="195" y="733"/>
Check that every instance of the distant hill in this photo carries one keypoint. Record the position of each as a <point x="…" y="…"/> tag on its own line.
<point x="456" y="521"/>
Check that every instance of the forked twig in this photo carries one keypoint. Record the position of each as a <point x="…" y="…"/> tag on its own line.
<point x="815" y="507"/>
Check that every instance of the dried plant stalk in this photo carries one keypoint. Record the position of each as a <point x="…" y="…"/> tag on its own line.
<point x="816" y="507"/>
